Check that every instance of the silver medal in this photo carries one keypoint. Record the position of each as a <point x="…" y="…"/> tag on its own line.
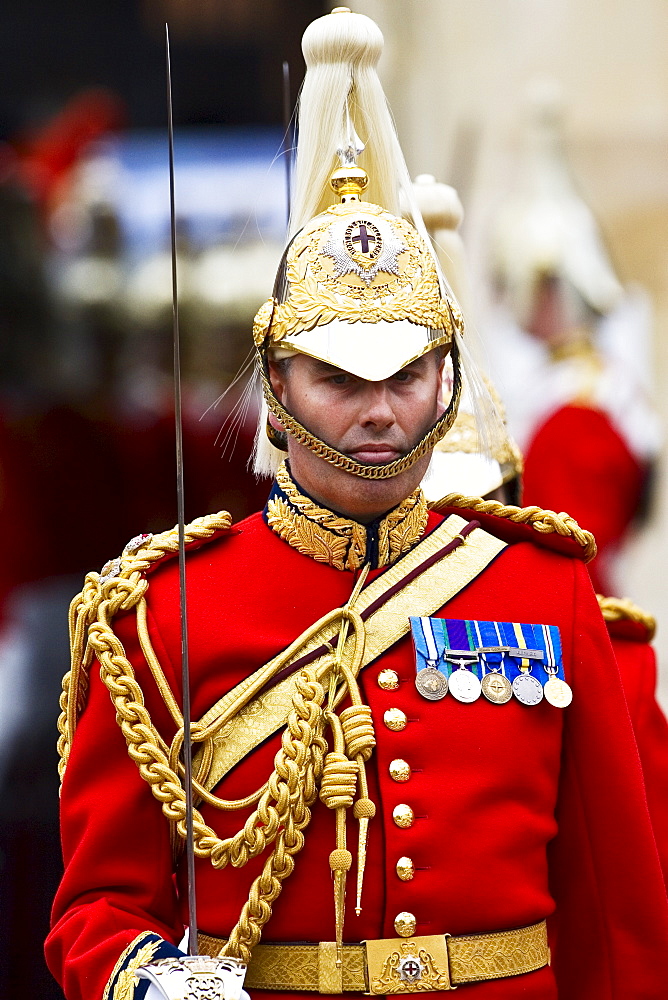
<point x="431" y="683"/>
<point x="464" y="685"/>
<point x="558" y="692"/>
<point x="527" y="689"/>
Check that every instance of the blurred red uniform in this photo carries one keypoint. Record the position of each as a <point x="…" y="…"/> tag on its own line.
<point x="578" y="461"/>
<point x="631" y="631"/>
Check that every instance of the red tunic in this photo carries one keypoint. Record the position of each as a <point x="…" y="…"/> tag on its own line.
<point x="520" y="813"/>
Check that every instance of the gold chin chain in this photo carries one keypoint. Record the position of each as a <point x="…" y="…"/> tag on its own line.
<point x="345" y="462"/>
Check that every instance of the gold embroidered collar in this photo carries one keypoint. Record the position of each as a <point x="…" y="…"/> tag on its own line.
<point x="330" y="538"/>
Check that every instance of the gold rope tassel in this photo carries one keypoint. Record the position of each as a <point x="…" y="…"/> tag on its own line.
<point x="363" y="811"/>
<point x="337" y="791"/>
<point x="358" y="733"/>
<point x="360" y="740"/>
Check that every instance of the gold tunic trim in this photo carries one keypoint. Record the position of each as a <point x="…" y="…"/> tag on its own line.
<point x="615" y="609"/>
<point x="122" y="981"/>
<point x="339" y="541"/>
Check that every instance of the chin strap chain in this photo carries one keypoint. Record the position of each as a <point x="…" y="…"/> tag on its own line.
<point x="342" y="461"/>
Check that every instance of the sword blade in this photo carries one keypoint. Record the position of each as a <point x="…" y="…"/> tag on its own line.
<point x="180" y="494"/>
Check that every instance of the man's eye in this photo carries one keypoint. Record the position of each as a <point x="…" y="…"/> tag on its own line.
<point x="340" y="379"/>
<point x="403" y="376"/>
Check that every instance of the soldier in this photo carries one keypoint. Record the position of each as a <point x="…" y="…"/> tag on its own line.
<point x="572" y="367"/>
<point x="340" y="642"/>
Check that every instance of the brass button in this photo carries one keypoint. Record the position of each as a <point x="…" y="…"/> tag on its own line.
<point x="403" y="816"/>
<point x="405" y="869"/>
<point x="400" y="770"/>
<point x="388" y="680"/>
<point x="405" y="924"/>
<point x="395" y="719"/>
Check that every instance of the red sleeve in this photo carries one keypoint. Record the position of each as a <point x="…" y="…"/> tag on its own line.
<point x="611" y="923"/>
<point x="578" y="462"/>
<point x="117" y="882"/>
<point x="637" y="666"/>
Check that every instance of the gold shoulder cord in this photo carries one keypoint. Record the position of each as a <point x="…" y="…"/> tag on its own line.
<point x="615" y="609"/>
<point x="283" y="802"/>
<point x="546" y="522"/>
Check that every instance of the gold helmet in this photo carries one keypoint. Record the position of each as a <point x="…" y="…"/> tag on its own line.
<point x="359" y="286"/>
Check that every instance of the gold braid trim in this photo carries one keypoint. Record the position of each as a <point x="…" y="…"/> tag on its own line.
<point x="124" y="988"/>
<point x="345" y="462"/>
<point x="615" y="609"/>
<point x="339" y="541"/>
<point x="546" y="522"/>
<point x="313" y="539"/>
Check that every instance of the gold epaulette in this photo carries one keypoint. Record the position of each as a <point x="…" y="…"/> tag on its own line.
<point x="546" y="522"/>
<point x="616" y="609"/>
<point x="120" y="585"/>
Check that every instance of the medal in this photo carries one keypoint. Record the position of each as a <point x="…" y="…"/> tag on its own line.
<point x="527" y="689"/>
<point x="558" y="692"/>
<point x="431" y="683"/>
<point x="496" y="688"/>
<point x="464" y="685"/>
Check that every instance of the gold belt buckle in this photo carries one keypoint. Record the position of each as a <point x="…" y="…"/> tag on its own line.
<point x="408" y="965"/>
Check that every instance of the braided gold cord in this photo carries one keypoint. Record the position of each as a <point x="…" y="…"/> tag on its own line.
<point x="546" y="522"/>
<point x="115" y="594"/>
<point x="299" y="765"/>
<point x="615" y="609"/>
<point x="283" y="803"/>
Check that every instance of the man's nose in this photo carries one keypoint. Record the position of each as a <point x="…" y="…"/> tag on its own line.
<point x="377" y="409"/>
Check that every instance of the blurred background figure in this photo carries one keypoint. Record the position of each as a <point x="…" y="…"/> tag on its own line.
<point x="572" y="349"/>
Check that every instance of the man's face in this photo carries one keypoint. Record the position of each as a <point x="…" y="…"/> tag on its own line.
<point x="372" y="422"/>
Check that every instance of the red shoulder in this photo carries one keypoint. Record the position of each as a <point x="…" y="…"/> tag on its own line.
<point x="557" y="532"/>
<point x="626" y="620"/>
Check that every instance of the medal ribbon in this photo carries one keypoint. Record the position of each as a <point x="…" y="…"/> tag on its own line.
<point x="429" y="640"/>
<point x="488" y="635"/>
<point x="522" y="644"/>
<point x="548" y="640"/>
<point x="459" y="636"/>
<point x="515" y="635"/>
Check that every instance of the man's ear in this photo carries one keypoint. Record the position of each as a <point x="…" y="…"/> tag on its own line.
<point x="277" y="378"/>
<point x="440" y="405"/>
